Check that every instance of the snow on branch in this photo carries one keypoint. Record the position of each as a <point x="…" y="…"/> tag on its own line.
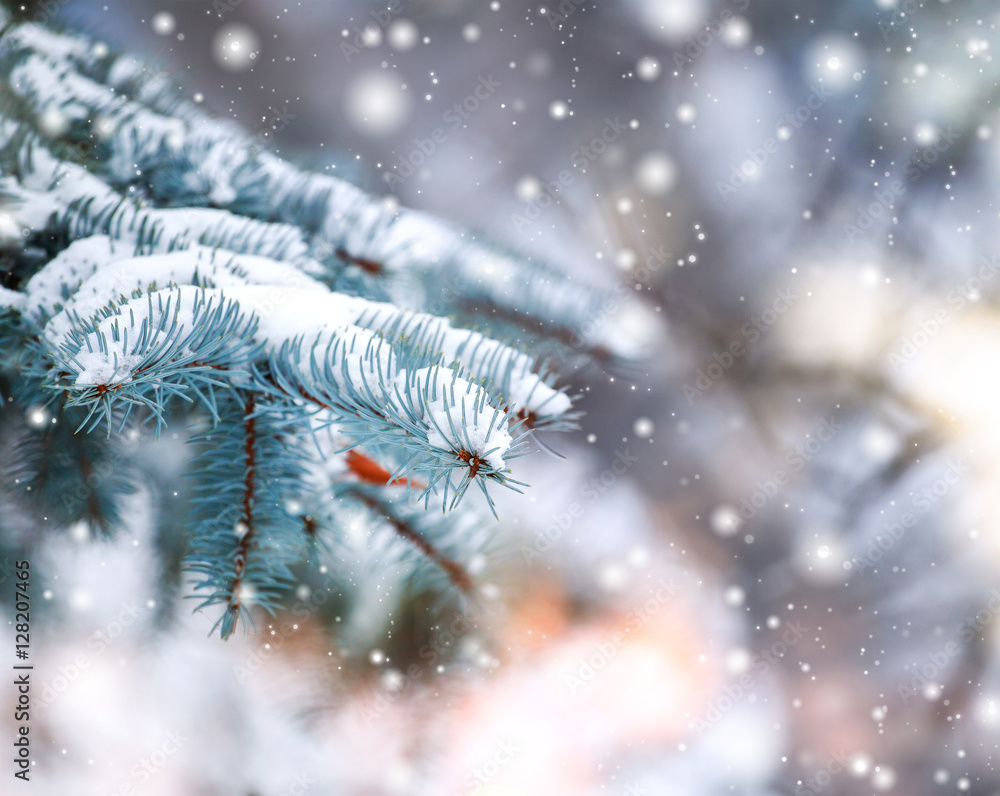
<point x="161" y="266"/>
<point x="148" y="131"/>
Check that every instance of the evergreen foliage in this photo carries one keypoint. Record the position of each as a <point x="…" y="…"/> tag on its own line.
<point x="162" y="270"/>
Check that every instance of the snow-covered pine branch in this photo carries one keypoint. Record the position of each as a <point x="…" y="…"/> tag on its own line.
<point x="151" y="140"/>
<point x="159" y="265"/>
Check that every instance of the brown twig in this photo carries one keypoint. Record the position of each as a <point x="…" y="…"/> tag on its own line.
<point x="456" y="574"/>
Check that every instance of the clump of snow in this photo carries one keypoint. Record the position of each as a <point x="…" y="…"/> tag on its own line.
<point x="11" y="298"/>
<point x="457" y="413"/>
<point x="228" y="158"/>
<point x="530" y="392"/>
<point x="368" y="360"/>
<point x="65" y="272"/>
<point x="264" y="266"/>
<point x="109" y="355"/>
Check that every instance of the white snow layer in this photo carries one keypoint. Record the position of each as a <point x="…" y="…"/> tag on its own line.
<point x="11" y="299"/>
<point x="456" y="413"/>
<point x="227" y="157"/>
<point x="219" y="255"/>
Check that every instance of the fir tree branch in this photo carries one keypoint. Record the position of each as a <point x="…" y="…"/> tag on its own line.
<point x="455" y="572"/>
<point x="349" y="227"/>
<point x="159" y="259"/>
<point x="246" y="539"/>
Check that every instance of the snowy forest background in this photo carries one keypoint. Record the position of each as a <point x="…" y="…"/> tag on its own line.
<point x="790" y="503"/>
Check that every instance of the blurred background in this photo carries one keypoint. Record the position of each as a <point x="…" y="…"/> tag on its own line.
<point x="770" y="562"/>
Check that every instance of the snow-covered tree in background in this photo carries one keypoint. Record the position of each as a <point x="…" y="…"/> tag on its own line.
<point x="162" y="271"/>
